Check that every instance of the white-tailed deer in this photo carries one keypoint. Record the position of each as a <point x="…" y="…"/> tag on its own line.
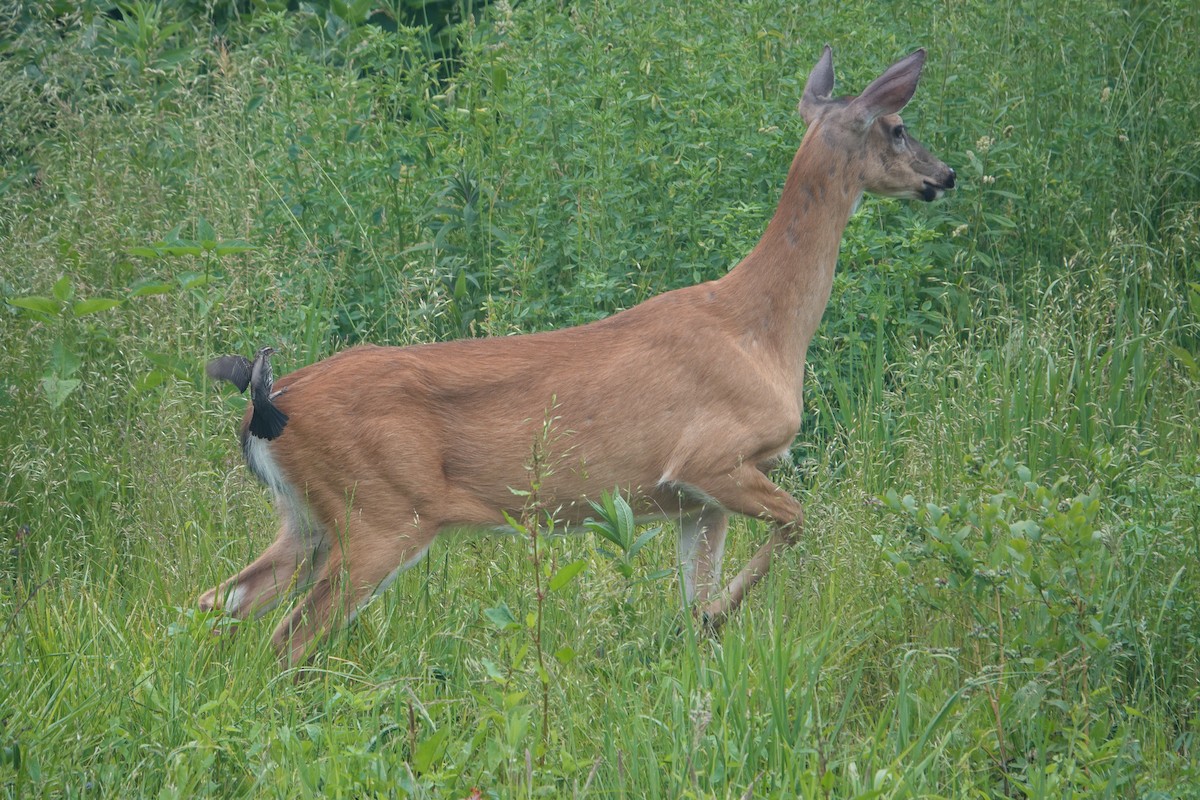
<point x="683" y="402"/>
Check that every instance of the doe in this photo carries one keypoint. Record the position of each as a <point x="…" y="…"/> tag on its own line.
<point x="684" y="402"/>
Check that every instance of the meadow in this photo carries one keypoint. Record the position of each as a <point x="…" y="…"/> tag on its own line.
<point x="998" y="591"/>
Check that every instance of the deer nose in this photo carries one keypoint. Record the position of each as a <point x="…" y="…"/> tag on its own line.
<point x="950" y="179"/>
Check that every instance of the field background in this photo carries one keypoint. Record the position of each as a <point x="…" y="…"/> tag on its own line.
<point x="998" y="594"/>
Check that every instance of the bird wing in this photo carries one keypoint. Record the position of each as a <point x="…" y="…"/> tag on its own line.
<point x="235" y="369"/>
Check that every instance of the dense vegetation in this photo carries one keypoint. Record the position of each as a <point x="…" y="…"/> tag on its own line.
<point x="998" y="594"/>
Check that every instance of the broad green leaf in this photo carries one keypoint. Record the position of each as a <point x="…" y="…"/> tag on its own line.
<point x="144" y="252"/>
<point x="58" y="389"/>
<point x="93" y="305"/>
<point x="205" y="232"/>
<point x="1187" y="360"/>
<point x="170" y="364"/>
<point x="605" y="530"/>
<point x="151" y="380"/>
<point x="566" y="574"/>
<point x="149" y="286"/>
<point x="494" y="672"/>
<point x="180" y="249"/>
<point x="233" y="246"/>
<point x="43" y="306"/>
<point x="625" y="516"/>
<point x="502" y="617"/>
<point x="10" y="755"/>
<point x="192" y="280"/>
<point x="564" y="655"/>
<point x="643" y="539"/>
<point x="63" y="362"/>
<point x="430" y="751"/>
<point x="62" y="289"/>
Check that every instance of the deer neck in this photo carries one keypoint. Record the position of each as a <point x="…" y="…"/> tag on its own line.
<point x="780" y="290"/>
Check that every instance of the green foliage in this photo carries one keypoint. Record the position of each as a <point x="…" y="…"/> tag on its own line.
<point x="184" y="178"/>
<point x="60" y="311"/>
<point x="616" y="526"/>
<point x="1027" y="588"/>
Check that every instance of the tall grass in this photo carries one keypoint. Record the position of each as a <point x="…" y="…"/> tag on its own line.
<point x="996" y="594"/>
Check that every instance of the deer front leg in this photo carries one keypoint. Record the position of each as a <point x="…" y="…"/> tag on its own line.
<point x="749" y="492"/>
<point x="701" y="549"/>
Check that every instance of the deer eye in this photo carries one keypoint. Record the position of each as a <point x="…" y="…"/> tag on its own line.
<point x="898" y="134"/>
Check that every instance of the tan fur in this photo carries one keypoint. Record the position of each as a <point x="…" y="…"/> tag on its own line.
<point x="682" y="401"/>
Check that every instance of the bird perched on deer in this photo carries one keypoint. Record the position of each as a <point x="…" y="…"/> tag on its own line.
<point x="683" y="402"/>
<point x="267" y="421"/>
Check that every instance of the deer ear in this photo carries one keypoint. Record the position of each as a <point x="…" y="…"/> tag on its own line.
<point x="891" y="91"/>
<point x="819" y="87"/>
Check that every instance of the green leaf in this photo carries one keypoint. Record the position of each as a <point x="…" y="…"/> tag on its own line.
<point x="205" y="232"/>
<point x="144" y="252"/>
<point x="62" y="289"/>
<point x="604" y="530"/>
<point x="10" y="755"/>
<point x="151" y="380"/>
<point x="41" y="306"/>
<point x="233" y="246"/>
<point x="564" y="655"/>
<point x="642" y="540"/>
<point x="430" y="751"/>
<point x="170" y="365"/>
<point x="93" y="305"/>
<point x="625" y="516"/>
<point x="58" y="389"/>
<point x="502" y="617"/>
<point x="566" y="574"/>
<point x="493" y="671"/>
<point x="192" y="280"/>
<point x="1026" y="528"/>
<point x="180" y="249"/>
<point x="149" y="286"/>
<point x="1187" y="360"/>
<point x="63" y="362"/>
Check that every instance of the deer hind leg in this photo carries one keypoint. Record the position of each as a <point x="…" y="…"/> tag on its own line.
<point x="369" y="554"/>
<point x="286" y="565"/>
<point x="749" y="492"/>
<point x="701" y="548"/>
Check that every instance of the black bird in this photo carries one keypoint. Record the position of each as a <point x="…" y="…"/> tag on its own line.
<point x="267" y="422"/>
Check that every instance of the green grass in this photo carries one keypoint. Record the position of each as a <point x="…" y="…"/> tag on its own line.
<point x="1000" y="461"/>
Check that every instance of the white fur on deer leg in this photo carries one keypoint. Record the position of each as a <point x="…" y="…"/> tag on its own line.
<point x="701" y="551"/>
<point x="232" y="602"/>
<point x="690" y="531"/>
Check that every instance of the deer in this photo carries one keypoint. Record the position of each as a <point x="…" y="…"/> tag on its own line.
<point x="684" y="402"/>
